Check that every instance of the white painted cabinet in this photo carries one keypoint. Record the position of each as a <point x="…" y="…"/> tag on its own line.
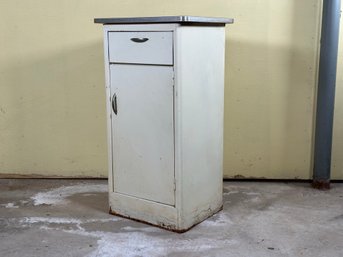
<point x="165" y="97"/>
<point x="143" y="131"/>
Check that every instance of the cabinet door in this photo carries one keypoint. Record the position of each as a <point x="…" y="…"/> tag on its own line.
<point x="143" y="131"/>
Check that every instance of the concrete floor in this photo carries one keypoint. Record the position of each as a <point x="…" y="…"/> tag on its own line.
<point x="70" y="218"/>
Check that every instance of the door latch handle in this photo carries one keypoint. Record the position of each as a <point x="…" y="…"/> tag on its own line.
<point x="114" y="103"/>
<point x="139" y="39"/>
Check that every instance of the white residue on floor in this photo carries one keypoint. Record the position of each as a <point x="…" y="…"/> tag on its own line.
<point x="230" y="193"/>
<point x="251" y="193"/>
<point x="141" y="229"/>
<point x="46" y="221"/>
<point x="61" y="220"/>
<point x="134" y="244"/>
<point x="220" y="219"/>
<point x="141" y="241"/>
<point x="10" y="205"/>
<point x="59" y="195"/>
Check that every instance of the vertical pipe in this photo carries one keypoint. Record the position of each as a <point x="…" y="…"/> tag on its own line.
<point x="326" y="93"/>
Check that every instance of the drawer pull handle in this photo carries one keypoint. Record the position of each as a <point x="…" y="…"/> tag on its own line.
<point x="139" y="39"/>
<point x="114" y="104"/>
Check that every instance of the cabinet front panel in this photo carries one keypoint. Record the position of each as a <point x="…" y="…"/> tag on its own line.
<point x="141" y="47"/>
<point x="143" y="131"/>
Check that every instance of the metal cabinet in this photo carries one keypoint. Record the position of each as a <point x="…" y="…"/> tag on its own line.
<point x="165" y="89"/>
<point x="143" y="131"/>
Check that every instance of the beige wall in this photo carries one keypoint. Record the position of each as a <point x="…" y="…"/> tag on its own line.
<point x="337" y="148"/>
<point x="52" y="112"/>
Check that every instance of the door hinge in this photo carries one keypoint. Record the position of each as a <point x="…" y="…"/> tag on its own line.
<point x="174" y="185"/>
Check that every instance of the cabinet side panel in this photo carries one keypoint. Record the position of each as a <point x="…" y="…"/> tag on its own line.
<point x="200" y="85"/>
<point x="108" y="109"/>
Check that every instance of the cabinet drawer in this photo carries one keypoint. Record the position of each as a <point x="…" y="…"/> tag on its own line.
<point x="141" y="47"/>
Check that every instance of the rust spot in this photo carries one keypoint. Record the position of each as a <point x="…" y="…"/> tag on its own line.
<point x="321" y="184"/>
<point x="161" y="225"/>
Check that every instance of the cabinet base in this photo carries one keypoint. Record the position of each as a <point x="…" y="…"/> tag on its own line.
<point x="160" y="225"/>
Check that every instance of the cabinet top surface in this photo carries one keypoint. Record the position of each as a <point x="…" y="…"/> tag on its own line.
<point x="189" y="20"/>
